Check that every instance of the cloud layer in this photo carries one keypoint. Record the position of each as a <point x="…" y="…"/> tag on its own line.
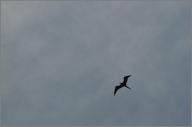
<point x="61" y="61"/>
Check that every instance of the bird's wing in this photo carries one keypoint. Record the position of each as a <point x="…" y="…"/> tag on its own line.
<point x="116" y="88"/>
<point x="126" y="78"/>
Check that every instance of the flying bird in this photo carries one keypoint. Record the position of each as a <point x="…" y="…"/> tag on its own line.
<point x="122" y="84"/>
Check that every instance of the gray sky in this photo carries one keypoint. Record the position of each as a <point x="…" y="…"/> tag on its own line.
<point x="61" y="61"/>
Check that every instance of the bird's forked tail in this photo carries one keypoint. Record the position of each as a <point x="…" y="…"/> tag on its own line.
<point x="127" y="87"/>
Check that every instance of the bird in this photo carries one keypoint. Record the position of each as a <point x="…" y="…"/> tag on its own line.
<point x="122" y="84"/>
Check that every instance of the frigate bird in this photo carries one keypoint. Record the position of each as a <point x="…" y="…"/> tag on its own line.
<point x="122" y="84"/>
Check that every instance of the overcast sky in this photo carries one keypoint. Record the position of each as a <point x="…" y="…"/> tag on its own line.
<point x="62" y="60"/>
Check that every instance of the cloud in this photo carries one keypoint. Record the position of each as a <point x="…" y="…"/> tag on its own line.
<point x="62" y="60"/>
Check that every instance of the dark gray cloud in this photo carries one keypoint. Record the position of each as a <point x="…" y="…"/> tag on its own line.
<point x="61" y="61"/>
<point x="0" y="111"/>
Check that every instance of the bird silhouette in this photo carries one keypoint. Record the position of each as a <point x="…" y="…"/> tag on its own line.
<point x="122" y="84"/>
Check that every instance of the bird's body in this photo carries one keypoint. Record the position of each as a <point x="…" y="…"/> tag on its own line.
<point x="122" y="84"/>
